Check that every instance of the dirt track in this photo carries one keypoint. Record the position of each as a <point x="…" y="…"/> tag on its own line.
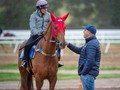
<point x="112" y="58"/>
<point x="101" y="84"/>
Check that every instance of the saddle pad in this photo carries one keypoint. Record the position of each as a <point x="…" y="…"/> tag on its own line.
<point x="31" y="53"/>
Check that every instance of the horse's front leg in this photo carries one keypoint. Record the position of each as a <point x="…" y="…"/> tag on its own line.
<point x="39" y="83"/>
<point x="52" y="82"/>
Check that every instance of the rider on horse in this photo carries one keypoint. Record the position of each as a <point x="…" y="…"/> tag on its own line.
<point x="38" y="24"/>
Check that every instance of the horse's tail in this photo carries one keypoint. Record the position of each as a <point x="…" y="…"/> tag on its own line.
<point x="30" y="82"/>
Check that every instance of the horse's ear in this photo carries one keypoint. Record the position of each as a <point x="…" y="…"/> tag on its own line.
<point x="52" y="17"/>
<point x="65" y="16"/>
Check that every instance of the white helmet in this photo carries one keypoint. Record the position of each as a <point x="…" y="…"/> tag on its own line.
<point x="41" y="3"/>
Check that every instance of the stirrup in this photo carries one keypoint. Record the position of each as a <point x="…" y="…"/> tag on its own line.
<point x="24" y="64"/>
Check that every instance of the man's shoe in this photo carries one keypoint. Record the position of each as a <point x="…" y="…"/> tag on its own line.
<point x="24" y="64"/>
<point x="60" y="64"/>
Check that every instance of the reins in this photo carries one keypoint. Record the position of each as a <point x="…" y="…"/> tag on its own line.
<point x="30" y="43"/>
<point x="49" y="41"/>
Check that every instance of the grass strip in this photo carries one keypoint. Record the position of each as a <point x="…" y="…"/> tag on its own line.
<point x="67" y="76"/>
<point x="110" y="68"/>
<point x="8" y="66"/>
<point x="16" y="76"/>
<point x="9" y="76"/>
<point x="15" y="66"/>
<point x="109" y="76"/>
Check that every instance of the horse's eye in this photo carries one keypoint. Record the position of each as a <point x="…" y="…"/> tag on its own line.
<point x="56" y="28"/>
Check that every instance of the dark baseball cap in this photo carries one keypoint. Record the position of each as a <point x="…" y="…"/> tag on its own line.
<point x="90" y="28"/>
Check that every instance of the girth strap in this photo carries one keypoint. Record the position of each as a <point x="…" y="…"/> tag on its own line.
<point x="45" y="54"/>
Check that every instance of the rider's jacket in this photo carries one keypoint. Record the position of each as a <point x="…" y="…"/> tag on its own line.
<point x="38" y="22"/>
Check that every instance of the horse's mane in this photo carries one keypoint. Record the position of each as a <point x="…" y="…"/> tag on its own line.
<point x="48" y="27"/>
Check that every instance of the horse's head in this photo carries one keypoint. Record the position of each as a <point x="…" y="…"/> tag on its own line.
<point x="58" y="29"/>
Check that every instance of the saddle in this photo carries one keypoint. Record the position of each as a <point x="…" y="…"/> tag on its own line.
<point x="32" y="50"/>
<point x="31" y="53"/>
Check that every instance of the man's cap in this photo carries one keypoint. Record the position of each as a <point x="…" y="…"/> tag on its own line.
<point x="90" y="28"/>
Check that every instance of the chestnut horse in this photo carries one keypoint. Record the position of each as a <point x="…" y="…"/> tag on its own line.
<point x="45" y="63"/>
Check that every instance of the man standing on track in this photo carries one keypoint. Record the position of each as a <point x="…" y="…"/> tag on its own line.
<point x="90" y="55"/>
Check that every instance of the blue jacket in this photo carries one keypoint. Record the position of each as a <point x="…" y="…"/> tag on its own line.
<point x="90" y="55"/>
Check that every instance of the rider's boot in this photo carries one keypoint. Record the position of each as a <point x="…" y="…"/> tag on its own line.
<point x="26" y="56"/>
<point x="60" y="64"/>
<point x="24" y="64"/>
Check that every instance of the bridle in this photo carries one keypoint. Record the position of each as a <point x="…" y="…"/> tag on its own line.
<point x="57" y="27"/>
<point x="54" y="32"/>
<point x="53" y="40"/>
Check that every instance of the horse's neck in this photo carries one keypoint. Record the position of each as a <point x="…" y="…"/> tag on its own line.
<point x="49" y="47"/>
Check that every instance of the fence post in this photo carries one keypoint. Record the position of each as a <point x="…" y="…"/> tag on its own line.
<point x="107" y="47"/>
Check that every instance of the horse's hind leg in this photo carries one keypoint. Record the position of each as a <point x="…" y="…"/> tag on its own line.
<point x="52" y="81"/>
<point x="26" y="78"/>
<point x="39" y="83"/>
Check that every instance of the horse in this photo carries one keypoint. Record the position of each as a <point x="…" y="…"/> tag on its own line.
<point x="45" y="63"/>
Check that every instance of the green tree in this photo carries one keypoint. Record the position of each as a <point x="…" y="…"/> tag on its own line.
<point x="115" y="13"/>
<point x="102" y="13"/>
<point x="16" y="13"/>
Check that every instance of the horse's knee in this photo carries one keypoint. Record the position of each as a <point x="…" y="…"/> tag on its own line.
<point x="39" y="83"/>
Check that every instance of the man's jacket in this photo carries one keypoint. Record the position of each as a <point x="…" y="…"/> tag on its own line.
<point x="90" y="55"/>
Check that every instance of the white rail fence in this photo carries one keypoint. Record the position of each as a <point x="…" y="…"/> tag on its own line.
<point x="105" y="36"/>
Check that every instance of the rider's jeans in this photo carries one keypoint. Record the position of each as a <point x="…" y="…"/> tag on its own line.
<point x="87" y="81"/>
